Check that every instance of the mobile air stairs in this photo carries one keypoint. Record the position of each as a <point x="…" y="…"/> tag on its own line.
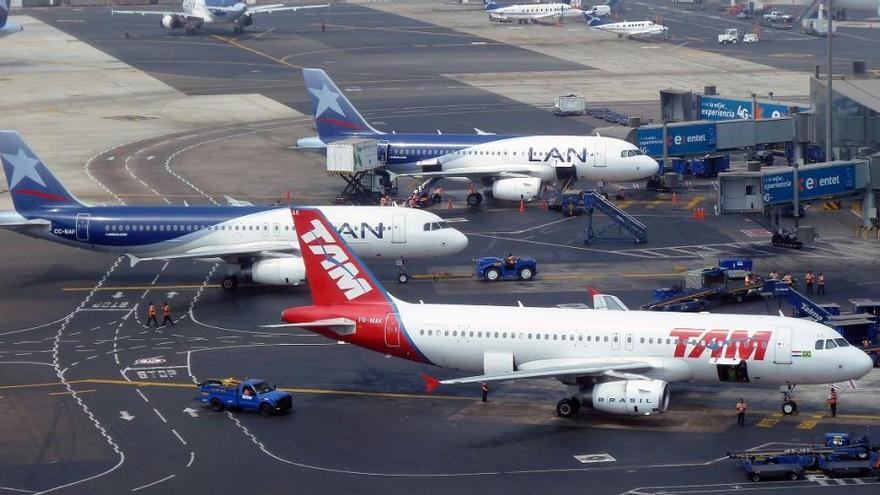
<point x="575" y="202"/>
<point x="854" y="327"/>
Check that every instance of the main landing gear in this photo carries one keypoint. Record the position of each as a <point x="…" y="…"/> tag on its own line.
<point x="568" y="407"/>
<point x="230" y="282"/>
<point x="474" y="199"/>
<point x="789" y="406"/>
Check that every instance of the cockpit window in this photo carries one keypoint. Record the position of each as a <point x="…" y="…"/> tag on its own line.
<point x="841" y="342"/>
<point x="435" y="226"/>
<point x="820" y="344"/>
<point x="626" y="153"/>
<point x="829" y="344"/>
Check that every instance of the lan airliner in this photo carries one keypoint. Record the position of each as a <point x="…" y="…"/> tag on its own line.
<point x="616" y="361"/>
<point x="257" y="242"/>
<point x="511" y="168"/>
<point x="196" y="13"/>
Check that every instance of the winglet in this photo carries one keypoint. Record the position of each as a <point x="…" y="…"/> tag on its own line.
<point x="431" y="383"/>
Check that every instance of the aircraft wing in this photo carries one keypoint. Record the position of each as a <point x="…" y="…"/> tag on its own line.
<point x="254" y="249"/>
<point x="563" y="368"/>
<point x="499" y="171"/>
<point x="280" y="7"/>
<point x="159" y="12"/>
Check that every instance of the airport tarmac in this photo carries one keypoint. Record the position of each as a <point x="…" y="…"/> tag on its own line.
<point x="95" y="402"/>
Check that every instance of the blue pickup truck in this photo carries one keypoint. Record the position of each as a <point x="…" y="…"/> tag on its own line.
<point x="250" y="394"/>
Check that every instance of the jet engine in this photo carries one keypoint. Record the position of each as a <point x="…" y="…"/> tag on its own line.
<point x="277" y="271"/>
<point x="629" y="397"/>
<point x="170" y="22"/>
<point x="515" y="189"/>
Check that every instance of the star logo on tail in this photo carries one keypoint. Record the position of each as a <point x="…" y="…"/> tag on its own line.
<point x="22" y="166"/>
<point x="326" y="99"/>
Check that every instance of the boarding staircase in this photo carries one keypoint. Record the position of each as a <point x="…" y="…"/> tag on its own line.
<point x="808" y="12"/>
<point x="624" y="221"/>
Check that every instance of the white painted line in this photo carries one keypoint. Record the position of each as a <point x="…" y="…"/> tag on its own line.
<point x="160" y="415"/>
<point x="178" y="436"/>
<point x="192" y="457"/>
<point x="142" y="395"/>
<point x="153" y="483"/>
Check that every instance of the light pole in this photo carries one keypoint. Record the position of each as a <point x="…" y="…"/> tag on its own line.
<point x="829" y="111"/>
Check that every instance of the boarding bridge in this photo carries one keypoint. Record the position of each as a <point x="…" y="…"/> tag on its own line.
<point x="624" y="221"/>
<point x="808" y="12"/>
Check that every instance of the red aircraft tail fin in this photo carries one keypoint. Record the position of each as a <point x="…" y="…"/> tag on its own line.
<point x="336" y="275"/>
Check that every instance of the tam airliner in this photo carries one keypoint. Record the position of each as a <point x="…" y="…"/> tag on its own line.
<point x="256" y="242"/>
<point x="616" y="361"/>
<point x="510" y="167"/>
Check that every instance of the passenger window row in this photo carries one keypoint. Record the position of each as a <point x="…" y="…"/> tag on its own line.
<point x="184" y="228"/>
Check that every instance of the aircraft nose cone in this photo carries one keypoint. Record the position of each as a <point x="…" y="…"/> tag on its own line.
<point x="652" y="166"/>
<point x="458" y="242"/>
<point x="862" y="364"/>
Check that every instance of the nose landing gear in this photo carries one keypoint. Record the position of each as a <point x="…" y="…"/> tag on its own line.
<point x="789" y="406"/>
<point x="402" y="275"/>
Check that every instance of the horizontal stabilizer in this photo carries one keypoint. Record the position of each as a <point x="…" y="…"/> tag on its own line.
<point x="608" y="302"/>
<point x="341" y="326"/>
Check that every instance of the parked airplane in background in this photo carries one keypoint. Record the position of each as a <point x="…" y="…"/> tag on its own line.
<point x="199" y="12"/>
<point x="259" y="241"/>
<point x="535" y="12"/>
<point x="629" y="28"/>
<point x="613" y="361"/>
<point x="6" y="27"/>
<point x="510" y="167"/>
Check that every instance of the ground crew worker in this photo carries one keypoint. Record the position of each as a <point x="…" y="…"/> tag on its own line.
<point x="787" y="279"/>
<point x="821" y="284"/>
<point x="866" y="343"/>
<point x="383" y="201"/>
<point x="484" y="387"/>
<point x="832" y="402"/>
<point x="741" y="408"/>
<point x="808" y="279"/>
<point x="166" y="314"/>
<point x="774" y="275"/>
<point x="510" y="260"/>
<point x="151" y="315"/>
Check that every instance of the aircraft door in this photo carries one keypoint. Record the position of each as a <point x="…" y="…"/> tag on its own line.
<point x="382" y="150"/>
<point x="615" y="341"/>
<point x="398" y="229"/>
<point x="82" y="226"/>
<point x="392" y="330"/>
<point x="599" y="155"/>
<point x="629" y="341"/>
<point x="782" y="345"/>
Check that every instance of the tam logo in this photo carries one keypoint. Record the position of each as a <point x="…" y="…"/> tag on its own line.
<point x="336" y="263"/>
<point x="730" y="344"/>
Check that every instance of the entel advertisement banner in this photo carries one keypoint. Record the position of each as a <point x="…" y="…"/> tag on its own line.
<point x="682" y="140"/>
<point x="715" y="108"/>
<point x="814" y="183"/>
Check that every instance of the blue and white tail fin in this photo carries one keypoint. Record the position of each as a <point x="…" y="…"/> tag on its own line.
<point x="335" y="116"/>
<point x="32" y="186"/>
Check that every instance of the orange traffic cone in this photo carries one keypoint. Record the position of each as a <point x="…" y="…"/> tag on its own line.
<point x="544" y="205"/>
<point x="522" y="206"/>
<point x="674" y="198"/>
<point x="696" y="213"/>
